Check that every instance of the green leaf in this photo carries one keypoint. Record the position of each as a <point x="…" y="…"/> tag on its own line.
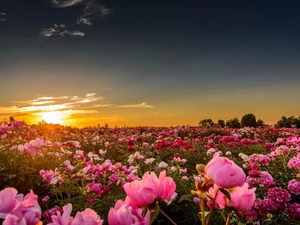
<point x="154" y="214"/>
<point x="226" y="193"/>
<point x="223" y="214"/>
<point x="185" y="197"/>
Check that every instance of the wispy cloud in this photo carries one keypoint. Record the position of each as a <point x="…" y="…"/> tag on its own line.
<point x="92" y="11"/>
<point x="64" y="3"/>
<point x="72" y="104"/>
<point x="59" y="30"/>
<point x="2" y="17"/>
<point x="142" y="105"/>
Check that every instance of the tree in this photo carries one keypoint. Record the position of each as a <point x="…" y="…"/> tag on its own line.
<point x="288" y="122"/>
<point x="221" y="123"/>
<point x="248" y="120"/>
<point x="260" y="123"/>
<point x="233" y="123"/>
<point x="206" y="123"/>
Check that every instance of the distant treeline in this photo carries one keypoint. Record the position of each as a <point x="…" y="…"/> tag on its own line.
<point x="249" y="120"/>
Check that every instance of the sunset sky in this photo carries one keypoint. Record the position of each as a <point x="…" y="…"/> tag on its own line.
<point x="154" y="63"/>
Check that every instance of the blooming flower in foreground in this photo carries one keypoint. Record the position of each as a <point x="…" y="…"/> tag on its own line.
<point x="87" y="217"/>
<point x="243" y="198"/>
<point x="53" y="211"/>
<point x="14" y="220"/>
<point x="150" y="188"/>
<point x="125" y="214"/>
<point x="29" y="209"/>
<point x="224" y="172"/>
<point x="9" y="199"/>
<point x="17" y="210"/>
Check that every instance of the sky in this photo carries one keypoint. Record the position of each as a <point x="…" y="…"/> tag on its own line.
<point x="148" y="63"/>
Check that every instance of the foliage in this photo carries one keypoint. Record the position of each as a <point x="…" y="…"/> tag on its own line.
<point x="288" y="122"/>
<point x="206" y="123"/>
<point x="233" y="123"/>
<point x="248" y="120"/>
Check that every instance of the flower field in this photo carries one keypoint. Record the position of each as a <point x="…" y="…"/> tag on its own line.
<point x="50" y="174"/>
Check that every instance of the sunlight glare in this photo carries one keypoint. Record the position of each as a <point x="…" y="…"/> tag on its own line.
<point x="55" y="117"/>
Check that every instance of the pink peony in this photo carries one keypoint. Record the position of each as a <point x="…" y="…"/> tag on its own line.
<point x="8" y="201"/>
<point x="294" y="186"/>
<point x="29" y="209"/>
<point x="87" y="217"/>
<point x="64" y="218"/>
<point x="125" y="214"/>
<point x="150" y="188"/>
<point x="224" y="172"/>
<point x="14" y="220"/>
<point x="243" y="198"/>
<point x="34" y="145"/>
<point x="220" y="198"/>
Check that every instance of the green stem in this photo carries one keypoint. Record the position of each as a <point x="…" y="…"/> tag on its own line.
<point x="162" y="212"/>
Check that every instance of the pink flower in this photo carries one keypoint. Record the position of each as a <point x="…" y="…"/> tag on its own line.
<point x="139" y="194"/>
<point x="29" y="209"/>
<point x="224" y="172"/>
<point x="8" y="201"/>
<point x="64" y="218"/>
<point x="14" y="220"/>
<point x="125" y="214"/>
<point x="34" y="145"/>
<point x="87" y="217"/>
<point x="150" y="188"/>
<point x="45" y="199"/>
<point x="294" y="186"/>
<point x="220" y="198"/>
<point x="243" y="198"/>
<point x="294" y="212"/>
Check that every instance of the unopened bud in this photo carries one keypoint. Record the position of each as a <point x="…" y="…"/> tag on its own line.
<point x="200" y="168"/>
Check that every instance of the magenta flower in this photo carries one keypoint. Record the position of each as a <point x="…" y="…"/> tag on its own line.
<point x="125" y="214"/>
<point x="224" y="172"/>
<point x="280" y="196"/>
<point x="45" y="199"/>
<point x="294" y="186"/>
<point x="294" y="212"/>
<point x="294" y="163"/>
<point x="50" y="212"/>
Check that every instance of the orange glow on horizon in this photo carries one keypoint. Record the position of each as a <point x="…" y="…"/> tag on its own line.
<point x="54" y="117"/>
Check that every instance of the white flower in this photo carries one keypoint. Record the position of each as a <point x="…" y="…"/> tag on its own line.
<point x="162" y="165"/>
<point x="149" y="161"/>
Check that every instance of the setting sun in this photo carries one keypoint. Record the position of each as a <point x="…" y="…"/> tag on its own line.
<point x="52" y="117"/>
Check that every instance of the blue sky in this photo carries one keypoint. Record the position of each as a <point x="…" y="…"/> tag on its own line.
<point x="149" y="62"/>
